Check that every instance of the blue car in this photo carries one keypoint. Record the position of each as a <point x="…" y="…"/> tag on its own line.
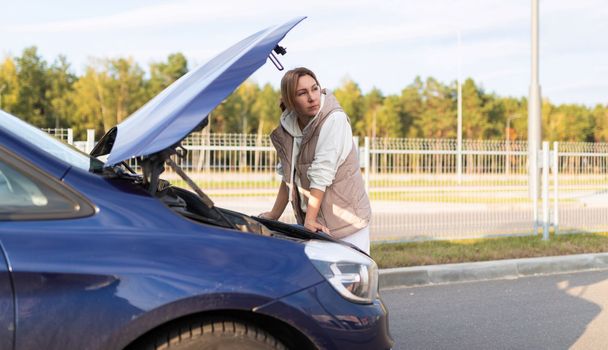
<point x="96" y="256"/>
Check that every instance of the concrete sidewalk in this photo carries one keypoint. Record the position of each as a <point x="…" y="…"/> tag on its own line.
<point x="489" y="270"/>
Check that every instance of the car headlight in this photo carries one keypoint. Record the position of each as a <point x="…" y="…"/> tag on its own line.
<point x="352" y="274"/>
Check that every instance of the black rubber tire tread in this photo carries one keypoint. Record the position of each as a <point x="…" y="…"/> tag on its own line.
<point x="194" y="335"/>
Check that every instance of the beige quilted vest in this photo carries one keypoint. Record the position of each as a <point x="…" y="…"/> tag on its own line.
<point x="345" y="208"/>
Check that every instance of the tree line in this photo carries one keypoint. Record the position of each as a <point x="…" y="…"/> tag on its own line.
<point x="51" y="95"/>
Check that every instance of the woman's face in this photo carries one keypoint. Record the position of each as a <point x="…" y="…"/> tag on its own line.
<point x="308" y="97"/>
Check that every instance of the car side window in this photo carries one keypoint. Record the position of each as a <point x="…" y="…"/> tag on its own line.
<point x="28" y="194"/>
<point x="18" y="192"/>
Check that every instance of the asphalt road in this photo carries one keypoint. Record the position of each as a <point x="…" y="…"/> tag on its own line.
<point x="567" y="311"/>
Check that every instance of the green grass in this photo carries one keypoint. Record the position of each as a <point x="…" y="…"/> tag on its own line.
<point x="443" y="197"/>
<point x="245" y="184"/>
<point x="384" y="184"/>
<point x="476" y="182"/>
<point x="389" y="255"/>
<point x="446" y="182"/>
<point x="268" y="188"/>
<point x="243" y="195"/>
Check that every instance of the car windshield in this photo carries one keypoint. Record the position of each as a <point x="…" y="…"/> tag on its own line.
<point x="48" y="143"/>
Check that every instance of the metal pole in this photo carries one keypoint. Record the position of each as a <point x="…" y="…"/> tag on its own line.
<point x="90" y="140"/>
<point x="206" y="141"/>
<point x="534" y="111"/>
<point x="508" y="145"/>
<point x="459" y="132"/>
<point x="366" y="163"/>
<point x="508" y="141"/>
<point x="545" y="191"/>
<point x="535" y="213"/>
<point x="555" y="188"/>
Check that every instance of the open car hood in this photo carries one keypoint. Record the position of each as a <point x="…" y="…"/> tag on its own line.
<point x="184" y="106"/>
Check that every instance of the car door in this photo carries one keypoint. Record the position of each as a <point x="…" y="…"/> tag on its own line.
<point x="29" y="198"/>
<point x="7" y="307"/>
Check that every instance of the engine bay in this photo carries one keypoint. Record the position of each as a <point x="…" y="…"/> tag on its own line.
<point x="197" y="205"/>
<point x="189" y="205"/>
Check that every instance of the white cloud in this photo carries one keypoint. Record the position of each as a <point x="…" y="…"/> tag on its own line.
<point x="579" y="85"/>
<point x="381" y="43"/>
<point x="503" y="73"/>
<point x="175" y="13"/>
<point x="149" y="16"/>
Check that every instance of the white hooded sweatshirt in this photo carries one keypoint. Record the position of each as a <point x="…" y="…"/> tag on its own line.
<point x="334" y="145"/>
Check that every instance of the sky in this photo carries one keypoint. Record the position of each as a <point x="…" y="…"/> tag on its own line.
<point x="382" y="43"/>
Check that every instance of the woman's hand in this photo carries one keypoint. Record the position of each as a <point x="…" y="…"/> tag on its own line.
<point x="314" y="226"/>
<point x="269" y="215"/>
<point x="279" y="204"/>
<point x="314" y="203"/>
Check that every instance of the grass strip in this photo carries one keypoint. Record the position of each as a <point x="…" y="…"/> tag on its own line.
<point x="406" y="254"/>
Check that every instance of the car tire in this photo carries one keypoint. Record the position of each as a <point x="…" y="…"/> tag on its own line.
<point x="217" y="334"/>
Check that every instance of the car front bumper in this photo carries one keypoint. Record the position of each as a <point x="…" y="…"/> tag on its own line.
<point x="332" y="322"/>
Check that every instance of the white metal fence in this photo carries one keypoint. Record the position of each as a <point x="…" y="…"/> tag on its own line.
<point x="581" y="187"/>
<point x="417" y="192"/>
<point x="415" y="187"/>
<point x="66" y="135"/>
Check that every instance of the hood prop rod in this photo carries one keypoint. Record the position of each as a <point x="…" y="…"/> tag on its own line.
<point x="276" y="62"/>
<point x="206" y="200"/>
<point x="280" y="50"/>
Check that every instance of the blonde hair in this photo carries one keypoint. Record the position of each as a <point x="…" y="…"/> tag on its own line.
<point x="289" y="83"/>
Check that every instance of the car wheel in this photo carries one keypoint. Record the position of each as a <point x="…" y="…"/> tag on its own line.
<point x="217" y="334"/>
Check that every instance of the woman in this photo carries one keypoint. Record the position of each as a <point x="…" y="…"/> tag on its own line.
<point x="319" y="162"/>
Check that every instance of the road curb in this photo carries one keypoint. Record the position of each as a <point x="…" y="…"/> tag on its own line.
<point x="488" y="270"/>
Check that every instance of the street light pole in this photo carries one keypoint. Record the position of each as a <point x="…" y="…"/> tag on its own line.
<point x="459" y="127"/>
<point x="534" y="112"/>
<point x="534" y="124"/>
